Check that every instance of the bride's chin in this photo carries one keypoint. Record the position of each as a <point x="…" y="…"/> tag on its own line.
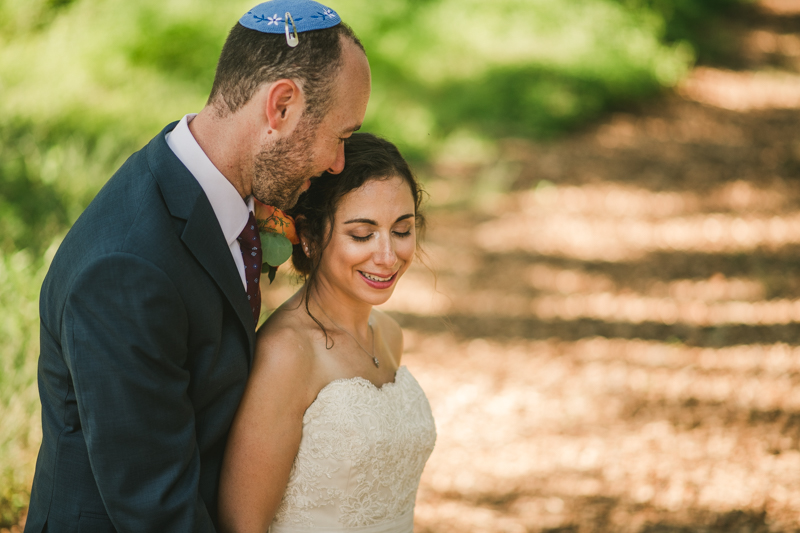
<point x="379" y="299"/>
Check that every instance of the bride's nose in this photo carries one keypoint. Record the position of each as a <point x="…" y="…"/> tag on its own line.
<point x="385" y="254"/>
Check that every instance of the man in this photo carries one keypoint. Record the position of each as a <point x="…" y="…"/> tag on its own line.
<point x="148" y="312"/>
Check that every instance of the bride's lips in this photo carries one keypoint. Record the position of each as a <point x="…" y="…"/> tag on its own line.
<point x="378" y="284"/>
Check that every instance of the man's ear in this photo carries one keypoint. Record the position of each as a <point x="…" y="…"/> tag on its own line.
<point x="284" y="105"/>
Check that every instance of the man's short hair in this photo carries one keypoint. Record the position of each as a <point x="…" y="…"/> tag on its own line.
<point x="251" y="58"/>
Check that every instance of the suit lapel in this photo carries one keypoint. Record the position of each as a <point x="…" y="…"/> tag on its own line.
<point x="202" y="234"/>
<point x="204" y="239"/>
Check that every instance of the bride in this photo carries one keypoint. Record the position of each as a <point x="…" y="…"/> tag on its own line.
<point x="332" y="433"/>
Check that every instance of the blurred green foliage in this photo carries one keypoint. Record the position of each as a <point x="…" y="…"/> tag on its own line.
<point x="84" y="83"/>
<point x="20" y="428"/>
<point x="516" y="67"/>
<point x="695" y="22"/>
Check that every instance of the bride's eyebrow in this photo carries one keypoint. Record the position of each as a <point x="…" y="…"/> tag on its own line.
<point x="373" y="223"/>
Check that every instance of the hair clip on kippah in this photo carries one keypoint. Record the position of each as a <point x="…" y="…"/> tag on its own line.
<point x="291" y="38"/>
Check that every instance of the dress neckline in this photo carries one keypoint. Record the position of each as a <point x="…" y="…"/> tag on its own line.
<point x="365" y="380"/>
<point x="358" y="379"/>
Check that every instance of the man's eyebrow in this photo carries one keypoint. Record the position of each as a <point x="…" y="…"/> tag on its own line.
<point x="373" y="223"/>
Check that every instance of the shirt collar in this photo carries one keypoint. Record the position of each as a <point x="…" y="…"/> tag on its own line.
<point x="231" y="211"/>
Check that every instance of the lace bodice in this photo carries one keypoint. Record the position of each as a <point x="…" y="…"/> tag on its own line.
<point x="360" y="458"/>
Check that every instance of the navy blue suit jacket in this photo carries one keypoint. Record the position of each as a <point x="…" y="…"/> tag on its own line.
<point x="146" y="342"/>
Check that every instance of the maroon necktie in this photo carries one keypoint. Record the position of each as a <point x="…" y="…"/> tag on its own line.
<point x="250" y="243"/>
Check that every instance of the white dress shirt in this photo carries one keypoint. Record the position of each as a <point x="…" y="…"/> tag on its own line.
<point x="232" y="212"/>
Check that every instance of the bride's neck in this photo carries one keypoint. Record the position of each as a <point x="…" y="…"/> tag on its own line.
<point x="350" y="315"/>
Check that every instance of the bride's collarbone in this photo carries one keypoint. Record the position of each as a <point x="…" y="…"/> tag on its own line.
<point x="346" y="360"/>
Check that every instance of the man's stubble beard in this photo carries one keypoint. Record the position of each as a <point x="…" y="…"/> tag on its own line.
<point x="281" y="170"/>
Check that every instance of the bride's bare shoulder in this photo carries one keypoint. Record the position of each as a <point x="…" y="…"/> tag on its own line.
<point x="285" y="349"/>
<point x="287" y="329"/>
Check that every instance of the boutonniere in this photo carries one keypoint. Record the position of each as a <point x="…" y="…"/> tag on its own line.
<point x="278" y="234"/>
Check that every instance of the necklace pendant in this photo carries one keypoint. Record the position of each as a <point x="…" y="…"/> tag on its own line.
<point x="375" y="360"/>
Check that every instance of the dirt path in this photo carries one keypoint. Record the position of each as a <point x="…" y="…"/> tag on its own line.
<point x="615" y="345"/>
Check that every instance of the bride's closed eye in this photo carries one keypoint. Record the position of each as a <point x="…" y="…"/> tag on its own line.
<point x="403" y="228"/>
<point x="365" y="238"/>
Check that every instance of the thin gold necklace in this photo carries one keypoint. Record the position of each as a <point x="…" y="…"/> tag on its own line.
<point x="372" y="332"/>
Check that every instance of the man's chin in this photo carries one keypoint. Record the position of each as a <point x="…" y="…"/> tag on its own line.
<point x="292" y="201"/>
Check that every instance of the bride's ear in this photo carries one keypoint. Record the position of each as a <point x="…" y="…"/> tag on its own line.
<point x="303" y="235"/>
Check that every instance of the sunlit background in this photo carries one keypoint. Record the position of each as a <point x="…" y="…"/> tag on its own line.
<point x="606" y="320"/>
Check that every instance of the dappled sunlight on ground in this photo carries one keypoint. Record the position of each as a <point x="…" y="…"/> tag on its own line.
<point x="620" y="224"/>
<point x="532" y="432"/>
<point x="781" y="7"/>
<point x="611" y="341"/>
<point x="745" y="91"/>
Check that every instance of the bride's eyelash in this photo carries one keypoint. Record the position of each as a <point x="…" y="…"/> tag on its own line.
<point x="400" y="234"/>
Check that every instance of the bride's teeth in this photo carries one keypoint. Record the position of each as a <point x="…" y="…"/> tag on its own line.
<point x="375" y="278"/>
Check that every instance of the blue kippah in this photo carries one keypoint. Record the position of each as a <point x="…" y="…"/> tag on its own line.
<point x="270" y="17"/>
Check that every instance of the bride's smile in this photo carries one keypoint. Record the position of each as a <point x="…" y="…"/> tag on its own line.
<point x="372" y="243"/>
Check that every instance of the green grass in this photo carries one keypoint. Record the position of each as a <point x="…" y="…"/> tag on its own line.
<point x="84" y="83"/>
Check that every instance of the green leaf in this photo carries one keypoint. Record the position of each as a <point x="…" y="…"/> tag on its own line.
<point x="270" y="271"/>
<point x="276" y="248"/>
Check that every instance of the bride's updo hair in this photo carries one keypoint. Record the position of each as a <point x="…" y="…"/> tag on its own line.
<point x="366" y="157"/>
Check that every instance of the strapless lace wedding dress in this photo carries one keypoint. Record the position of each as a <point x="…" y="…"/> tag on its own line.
<point x="360" y="459"/>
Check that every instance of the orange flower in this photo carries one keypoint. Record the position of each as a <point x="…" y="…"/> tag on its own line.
<point x="273" y="220"/>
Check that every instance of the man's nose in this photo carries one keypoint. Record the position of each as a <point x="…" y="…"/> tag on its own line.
<point x="338" y="163"/>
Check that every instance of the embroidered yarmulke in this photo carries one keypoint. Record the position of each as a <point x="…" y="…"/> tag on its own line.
<point x="270" y="17"/>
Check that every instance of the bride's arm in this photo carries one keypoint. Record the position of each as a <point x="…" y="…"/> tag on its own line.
<point x="265" y="434"/>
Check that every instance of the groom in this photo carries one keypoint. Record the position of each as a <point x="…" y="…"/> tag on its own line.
<point x="149" y="310"/>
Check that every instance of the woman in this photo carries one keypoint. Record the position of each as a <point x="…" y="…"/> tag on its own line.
<point x="332" y="433"/>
